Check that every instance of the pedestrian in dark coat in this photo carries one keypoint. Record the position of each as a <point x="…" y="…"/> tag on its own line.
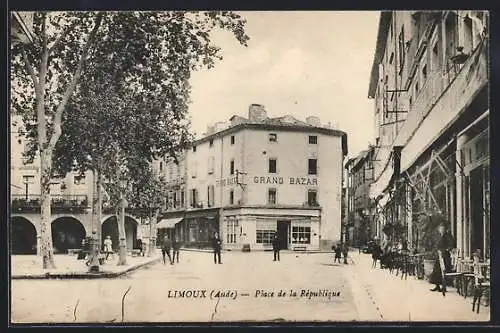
<point x="445" y="244"/>
<point x="276" y="246"/>
<point x="338" y="253"/>
<point x="217" y="246"/>
<point x="376" y="255"/>
<point x="176" y="245"/>
<point x="165" y="250"/>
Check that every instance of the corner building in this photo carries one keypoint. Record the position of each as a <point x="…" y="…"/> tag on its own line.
<point x="254" y="176"/>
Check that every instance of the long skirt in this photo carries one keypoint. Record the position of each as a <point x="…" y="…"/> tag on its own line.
<point x="436" y="275"/>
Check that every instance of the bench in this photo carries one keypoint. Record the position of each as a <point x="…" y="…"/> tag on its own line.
<point x="300" y="248"/>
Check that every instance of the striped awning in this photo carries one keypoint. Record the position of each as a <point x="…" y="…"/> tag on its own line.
<point x="168" y="223"/>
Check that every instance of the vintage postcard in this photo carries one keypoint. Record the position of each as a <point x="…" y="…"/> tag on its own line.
<point x="249" y="166"/>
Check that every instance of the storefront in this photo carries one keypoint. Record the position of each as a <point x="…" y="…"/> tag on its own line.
<point x="296" y="228"/>
<point x="473" y="177"/>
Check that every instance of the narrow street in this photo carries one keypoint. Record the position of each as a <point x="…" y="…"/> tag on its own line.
<point x="148" y="299"/>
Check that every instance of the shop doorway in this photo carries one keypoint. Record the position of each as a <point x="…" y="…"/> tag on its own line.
<point x="282" y="229"/>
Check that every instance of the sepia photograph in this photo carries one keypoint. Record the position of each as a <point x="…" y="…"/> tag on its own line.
<point x="207" y="167"/>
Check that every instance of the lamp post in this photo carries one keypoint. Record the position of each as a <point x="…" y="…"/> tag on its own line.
<point x="94" y="255"/>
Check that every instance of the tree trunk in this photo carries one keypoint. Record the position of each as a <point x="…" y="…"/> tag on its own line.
<point x="46" y="247"/>
<point x="152" y="233"/>
<point x="96" y="221"/>
<point x="122" y="254"/>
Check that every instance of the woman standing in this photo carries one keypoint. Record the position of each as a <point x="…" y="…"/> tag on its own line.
<point x="445" y="244"/>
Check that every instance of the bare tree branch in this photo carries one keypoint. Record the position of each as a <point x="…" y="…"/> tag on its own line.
<point x="40" y="103"/>
<point x="72" y="85"/>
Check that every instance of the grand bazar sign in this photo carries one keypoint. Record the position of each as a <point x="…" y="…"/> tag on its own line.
<point x="270" y="180"/>
<point x="291" y="180"/>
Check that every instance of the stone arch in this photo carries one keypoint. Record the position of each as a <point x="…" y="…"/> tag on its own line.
<point x="22" y="236"/>
<point x="67" y="233"/>
<point x="110" y="228"/>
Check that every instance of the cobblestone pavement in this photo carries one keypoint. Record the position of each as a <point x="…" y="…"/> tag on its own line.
<point x="150" y="297"/>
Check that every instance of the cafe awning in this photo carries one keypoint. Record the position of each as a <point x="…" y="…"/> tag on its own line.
<point x="168" y="223"/>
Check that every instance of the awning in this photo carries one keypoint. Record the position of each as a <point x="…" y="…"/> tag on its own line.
<point x="377" y="188"/>
<point x="168" y="223"/>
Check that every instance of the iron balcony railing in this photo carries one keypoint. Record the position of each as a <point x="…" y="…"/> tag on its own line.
<point x="33" y="201"/>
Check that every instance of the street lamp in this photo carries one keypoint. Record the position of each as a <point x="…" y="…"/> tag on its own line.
<point x="121" y="224"/>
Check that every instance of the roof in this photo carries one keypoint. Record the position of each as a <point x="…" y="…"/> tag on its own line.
<point x="383" y="28"/>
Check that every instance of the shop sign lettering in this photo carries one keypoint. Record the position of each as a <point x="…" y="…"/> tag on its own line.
<point x="280" y="180"/>
<point x="226" y="182"/>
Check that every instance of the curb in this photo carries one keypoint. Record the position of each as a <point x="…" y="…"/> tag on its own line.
<point x="239" y="250"/>
<point x="103" y="275"/>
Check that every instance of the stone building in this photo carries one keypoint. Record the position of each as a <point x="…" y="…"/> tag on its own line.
<point x="430" y="84"/>
<point x="251" y="177"/>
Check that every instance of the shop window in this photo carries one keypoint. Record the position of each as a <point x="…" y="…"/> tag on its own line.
<point x="273" y="137"/>
<point x="264" y="236"/>
<point x="271" y="196"/>
<point x="231" y="231"/>
<point x="312" y="166"/>
<point x="313" y="139"/>
<point x="301" y="235"/>
<point x="272" y="165"/>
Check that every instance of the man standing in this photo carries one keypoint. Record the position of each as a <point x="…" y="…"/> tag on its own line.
<point x="217" y="246"/>
<point x="165" y="249"/>
<point x="345" y="250"/>
<point x="276" y="247"/>
<point x="176" y="247"/>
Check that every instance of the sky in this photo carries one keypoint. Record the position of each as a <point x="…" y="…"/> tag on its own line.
<point x="299" y="63"/>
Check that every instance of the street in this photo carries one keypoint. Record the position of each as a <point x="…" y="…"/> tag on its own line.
<point x="148" y="300"/>
<point x="245" y="287"/>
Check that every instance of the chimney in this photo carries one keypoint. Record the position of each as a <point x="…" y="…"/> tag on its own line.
<point x="257" y="112"/>
<point x="313" y="121"/>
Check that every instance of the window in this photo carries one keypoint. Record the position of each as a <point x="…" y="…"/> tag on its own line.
<point x="401" y="45"/>
<point x="231" y="197"/>
<point x="264" y="236"/>
<point x="424" y="72"/>
<point x="272" y="165"/>
<point x="211" y="143"/>
<point x="210" y="195"/>
<point x="301" y="235"/>
<point x="182" y="198"/>
<point x="176" y="204"/>
<point x="273" y="137"/>
<point x="231" y="231"/>
<point x="231" y="168"/>
<point x="79" y="180"/>
<point x="312" y="198"/>
<point x="232" y="139"/>
<point x="211" y="165"/>
<point x="313" y="139"/>
<point x="194" y="149"/>
<point x="161" y="166"/>
<point x="194" y="198"/>
<point x="271" y="196"/>
<point x="312" y="166"/>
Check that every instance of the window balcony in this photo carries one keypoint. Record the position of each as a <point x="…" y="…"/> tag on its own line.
<point x="22" y="203"/>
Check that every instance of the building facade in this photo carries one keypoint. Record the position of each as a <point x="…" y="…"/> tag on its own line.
<point x="255" y="176"/>
<point x="71" y="198"/>
<point x="430" y="84"/>
<point x="361" y="225"/>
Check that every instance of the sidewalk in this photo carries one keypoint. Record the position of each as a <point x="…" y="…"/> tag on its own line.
<point x="68" y="267"/>
<point x="398" y="299"/>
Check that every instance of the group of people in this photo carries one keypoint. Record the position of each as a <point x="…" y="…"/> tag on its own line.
<point x="444" y="245"/>
<point x="340" y="250"/>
